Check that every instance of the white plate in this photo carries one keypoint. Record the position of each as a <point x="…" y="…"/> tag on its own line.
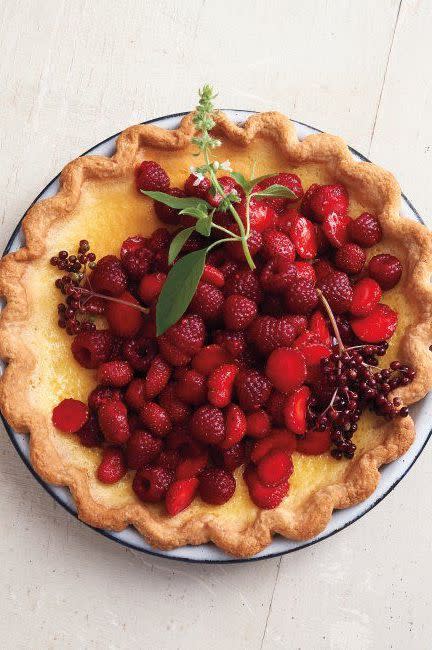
<point x="390" y="474"/>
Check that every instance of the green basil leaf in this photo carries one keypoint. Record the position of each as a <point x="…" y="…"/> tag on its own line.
<point x="198" y="213"/>
<point x="178" y="290"/>
<point x="276" y="191"/>
<point x="241" y="180"/>
<point x="178" y="242"/>
<point x="175" y="202"/>
<point x="203" y="226"/>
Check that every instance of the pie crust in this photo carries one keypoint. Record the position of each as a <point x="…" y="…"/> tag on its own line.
<point x="41" y="370"/>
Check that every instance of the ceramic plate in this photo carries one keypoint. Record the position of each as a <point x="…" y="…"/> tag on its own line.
<point x="390" y="474"/>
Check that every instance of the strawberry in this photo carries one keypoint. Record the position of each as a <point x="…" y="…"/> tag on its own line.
<point x="229" y="186"/>
<point x="115" y="373"/>
<point x="191" y="467"/>
<point x="209" y="358"/>
<point x="275" y="407"/>
<point x="172" y="353"/>
<point x="278" y="439"/>
<point x="304" y="238"/>
<point x="365" y="230"/>
<point x="318" y="326"/>
<point x="235" y="426"/>
<point x="113" y="422"/>
<point x="335" y="228"/>
<point x="112" y="467"/>
<point x="258" y="424"/>
<point x="180" y="495"/>
<point x="197" y="187"/>
<point x="291" y="181"/>
<point x="386" y="270"/>
<point x="379" y="325"/>
<point x="150" y="176"/>
<point x="166" y="214"/>
<point x="235" y="250"/>
<point x="366" y="296"/>
<point x="329" y="199"/>
<point x="220" y="385"/>
<point x="261" y="215"/>
<point x="264" y="497"/>
<point x="155" y="419"/>
<point x="286" y="369"/>
<point x="233" y="342"/>
<point x="150" y="287"/>
<point x="276" y="467"/>
<point x="213" y="276"/>
<point x="277" y="244"/>
<point x="70" y="415"/>
<point x="245" y="283"/>
<point x="350" y="258"/>
<point x="191" y="387"/>
<point x="216" y="486"/>
<point x="141" y="449"/>
<point x="314" y="352"/>
<point x="124" y="320"/>
<point x="230" y="458"/>
<point x="305" y="206"/>
<point x="177" y="410"/>
<point x="315" y="442"/>
<point x="295" y="411"/>
<point x="239" y="312"/>
<point x="131" y="245"/>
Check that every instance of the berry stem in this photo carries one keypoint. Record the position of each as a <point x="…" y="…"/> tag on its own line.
<point x="332" y="320"/>
<point x="94" y="294"/>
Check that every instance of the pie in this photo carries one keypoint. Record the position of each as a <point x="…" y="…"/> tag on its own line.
<point x="240" y="421"/>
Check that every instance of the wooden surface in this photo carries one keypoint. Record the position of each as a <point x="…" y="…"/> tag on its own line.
<point x="74" y="72"/>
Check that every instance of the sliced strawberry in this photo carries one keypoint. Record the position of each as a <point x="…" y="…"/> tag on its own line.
<point x="303" y="236"/>
<point x="261" y="215"/>
<point x="213" y="276"/>
<point x="287" y="219"/>
<point x="314" y="352"/>
<point x="124" y="320"/>
<point x="191" y="467"/>
<point x="315" y="442"/>
<point x="180" y="495"/>
<point x="380" y="325"/>
<point x="278" y="439"/>
<point x="209" y="358"/>
<point x="306" y="338"/>
<point x="221" y="384"/>
<point x="258" y="424"/>
<point x="275" y="467"/>
<point x="335" y="228"/>
<point x="286" y="369"/>
<point x="235" y="426"/>
<point x="70" y="415"/>
<point x="263" y="496"/>
<point x="318" y="326"/>
<point x="295" y="411"/>
<point x="366" y="295"/>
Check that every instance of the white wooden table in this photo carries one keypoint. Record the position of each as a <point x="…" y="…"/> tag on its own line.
<point x="74" y="72"/>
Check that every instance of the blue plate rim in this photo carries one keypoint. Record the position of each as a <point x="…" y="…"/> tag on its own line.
<point x="108" y="534"/>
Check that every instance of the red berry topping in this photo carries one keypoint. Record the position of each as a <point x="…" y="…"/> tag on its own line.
<point x="213" y="276"/>
<point x="195" y="187"/>
<point x="172" y="353"/>
<point x="315" y="442"/>
<point x="350" y="258"/>
<point x="245" y="283"/>
<point x="191" y="467"/>
<point x="263" y="496"/>
<point x="113" y="422"/>
<point x="151" y="177"/>
<point x="229" y="186"/>
<point x="177" y="410"/>
<point x="239" y="312"/>
<point x="132" y="245"/>
<point x="137" y="263"/>
<point x="277" y="244"/>
<point x="291" y="181"/>
<point x="305" y="270"/>
<point x="329" y="199"/>
<point x="157" y="377"/>
<point x="380" y="325"/>
<point x="275" y="407"/>
<point x="155" y="419"/>
<point x="135" y="395"/>
<point x="276" y="467"/>
<point x="235" y="249"/>
<point x="114" y="373"/>
<point x="233" y="342"/>
<point x="235" y="426"/>
<point x="279" y="439"/>
<point x="191" y="387"/>
<point x="261" y="215"/>
<point x="386" y="270"/>
<point x="112" y="467"/>
<point x="318" y="327"/>
<point x="277" y="274"/>
<point x="220" y="385"/>
<point x="187" y="334"/>
<point x="322" y="268"/>
<point x="230" y="458"/>
<point x="305" y="206"/>
<point x="313" y="353"/>
<point x="295" y="411"/>
<point x="304" y="237"/>
<point x="91" y="349"/>
<point x="140" y="352"/>
<point x="300" y="296"/>
<point x="366" y="295"/>
<point x="102" y="394"/>
<point x="337" y="290"/>
<point x="151" y="483"/>
<point x="268" y="333"/>
<point x="335" y="228"/>
<point x="69" y="415"/>
<point x="365" y="230"/>
<point x="207" y="424"/>
<point x="124" y="319"/>
<point x="286" y="369"/>
<point x="253" y="389"/>
<point x="216" y="486"/>
<point x="108" y="277"/>
<point x="180" y="495"/>
<point x="166" y="214"/>
<point x="151" y="286"/>
<point x="141" y="449"/>
<point x="209" y="358"/>
<point x="258" y="424"/>
<point x="90" y="434"/>
<point x="160" y="240"/>
<point x="207" y="302"/>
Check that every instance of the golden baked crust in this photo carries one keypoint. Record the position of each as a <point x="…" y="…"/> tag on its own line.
<point x="300" y="519"/>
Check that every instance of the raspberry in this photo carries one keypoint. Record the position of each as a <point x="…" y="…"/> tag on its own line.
<point x="233" y="342"/>
<point x="264" y="497"/>
<point x="379" y="326"/>
<point x="213" y="276"/>
<point x="253" y="389"/>
<point x="276" y="467"/>
<point x="304" y="237"/>
<point x="229" y="186"/>
<point x="286" y="369"/>
<point x="169" y="459"/>
<point x="90" y="434"/>
<point x="305" y="207"/>
<point x="108" y="277"/>
<point x="350" y="258"/>
<point x="235" y="249"/>
<point x="114" y="373"/>
<point x="258" y="424"/>
<point x="329" y="199"/>
<point x="277" y="244"/>
<point x="155" y="419"/>
<point x="322" y="268"/>
<point x="113" y="422"/>
<point x="209" y="358"/>
<point x="187" y="334"/>
<point x="195" y="187"/>
<point x="228" y="267"/>
<point x="235" y="426"/>
<point x="180" y="440"/>
<point x="160" y="240"/>
<point x="238" y="312"/>
<point x="191" y="388"/>
<point x="278" y="439"/>
<point x="102" y="394"/>
<point x="177" y="410"/>
<point x="230" y="458"/>
<point x="180" y="495"/>
<point x="272" y="306"/>
<point x="172" y="353"/>
<point x="291" y="181"/>
<point x="124" y="320"/>
<point x="151" y="177"/>
<point x="191" y="467"/>
<point x="135" y="395"/>
<point x="132" y="245"/>
<point x="151" y="483"/>
<point x="207" y="301"/>
<point x="245" y="283"/>
<point x="137" y="263"/>
<point x="275" y="407"/>
<point x="386" y="270"/>
<point x="151" y="286"/>
<point x="112" y="467"/>
<point x="140" y="352"/>
<point x="70" y="415"/>
<point x="337" y="290"/>
<point x="141" y="449"/>
<point x="305" y="271"/>
<point x="208" y="425"/>
<point x="300" y="296"/>
<point x="160" y="262"/>
<point x="91" y="349"/>
<point x="365" y="230"/>
<point x="216" y="486"/>
<point x="268" y="333"/>
<point x="220" y="385"/>
<point x="166" y="214"/>
<point x="157" y="377"/>
<point x="276" y="275"/>
<point x="366" y="295"/>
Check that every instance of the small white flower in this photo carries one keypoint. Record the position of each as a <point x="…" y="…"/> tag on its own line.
<point x="216" y="165"/>
<point x="192" y="169"/>
<point x="226" y="166"/>
<point x="199" y="178"/>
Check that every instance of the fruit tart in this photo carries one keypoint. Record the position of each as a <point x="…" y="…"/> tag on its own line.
<point x="217" y="348"/>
